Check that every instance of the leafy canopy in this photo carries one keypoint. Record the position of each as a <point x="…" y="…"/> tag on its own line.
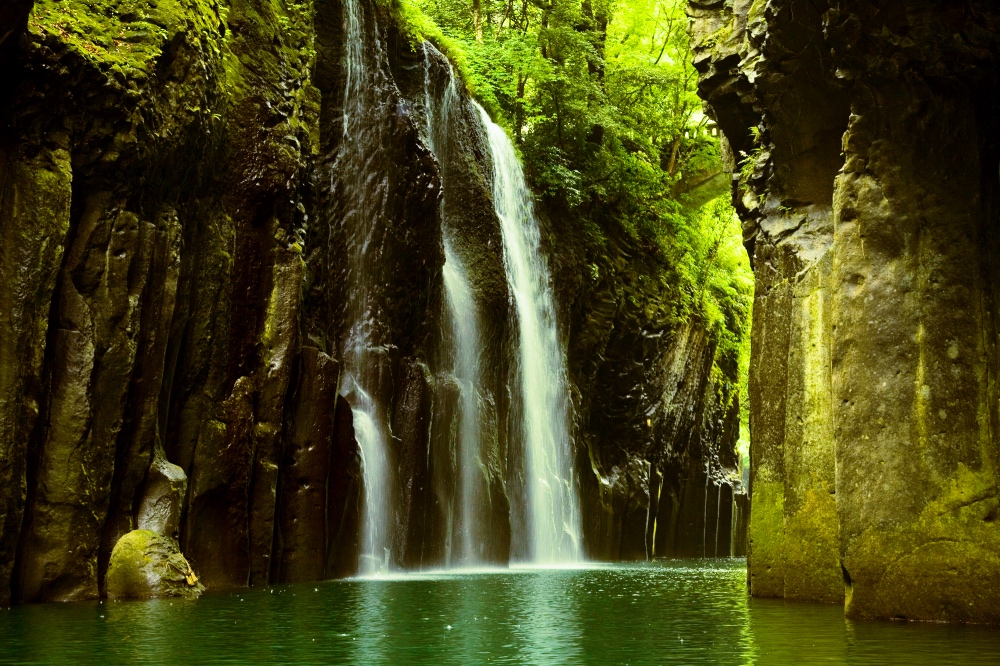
<point x="600" y="97"/>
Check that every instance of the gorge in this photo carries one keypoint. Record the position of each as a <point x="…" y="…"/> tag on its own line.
<point x="303" y="290"/>
<point x="289" y="303"/>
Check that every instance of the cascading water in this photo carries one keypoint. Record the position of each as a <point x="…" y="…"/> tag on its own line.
<point x="553" y="514"/>
<point x="465" y="342"/>
<point x="550" y="512"/>
<point x="362" y="208"/>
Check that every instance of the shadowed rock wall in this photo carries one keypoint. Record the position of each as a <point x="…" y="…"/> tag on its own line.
<point x="155" y="162"/>
<point x="656" y="427"/>
<point x="865" y="145"/>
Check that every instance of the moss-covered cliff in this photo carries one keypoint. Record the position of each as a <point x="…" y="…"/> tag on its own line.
<point x="657" y="402"/>
<point x="866" y="137"/>
<point x="155" y="157"/>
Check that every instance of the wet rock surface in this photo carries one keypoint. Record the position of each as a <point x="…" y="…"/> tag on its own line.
<point x="163" y="499"/>
<point x="147" y="565"/>
<point x="867" y="136"/>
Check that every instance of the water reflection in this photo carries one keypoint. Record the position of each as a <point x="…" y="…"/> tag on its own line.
<point x="665" y="612"/>
<point x="548" y="610"/>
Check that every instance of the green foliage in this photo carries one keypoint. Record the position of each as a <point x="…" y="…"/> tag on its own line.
<point x="600" y="96"/>
<point x="749" y="162"/>
<point x="718" y="263"/>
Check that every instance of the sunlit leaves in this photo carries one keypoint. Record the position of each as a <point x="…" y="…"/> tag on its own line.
<point x="600" y="96"/>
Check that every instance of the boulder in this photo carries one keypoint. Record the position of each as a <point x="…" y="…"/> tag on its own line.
<point x="147" y="565"/>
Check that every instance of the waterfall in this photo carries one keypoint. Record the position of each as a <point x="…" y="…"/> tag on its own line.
<point x="549" y="511"/>
<point x="465" y="343"/>
<point x="552" y="512"/>
<point x="354" y="168"/>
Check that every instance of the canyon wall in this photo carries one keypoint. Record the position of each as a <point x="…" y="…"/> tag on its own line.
<point x="864" y="142"/>
<point x="655" y="427"/>
<point x="174" y="310"/>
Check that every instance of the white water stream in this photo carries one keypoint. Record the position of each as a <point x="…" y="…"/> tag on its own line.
<point x="553" y="513"/>
<point x="354" y="166"/>
<point x="550" y="505"/>
<point x="465" y="343"/>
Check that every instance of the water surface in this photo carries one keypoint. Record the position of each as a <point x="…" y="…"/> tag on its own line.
<point x="683" y="612"/>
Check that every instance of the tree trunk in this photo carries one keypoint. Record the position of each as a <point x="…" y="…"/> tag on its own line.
<point x="477" y="19"/>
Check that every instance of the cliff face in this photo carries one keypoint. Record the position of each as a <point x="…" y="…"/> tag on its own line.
<point x="656" y="427"/>
<point x="154" y="164"/>
<point x="176" y="297"/>
<point x="868" y="141"/>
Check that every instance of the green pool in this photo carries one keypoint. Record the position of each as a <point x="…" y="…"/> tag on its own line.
<point x="684" y="612"/>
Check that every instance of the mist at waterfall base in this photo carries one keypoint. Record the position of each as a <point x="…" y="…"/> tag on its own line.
<point x="686" y="612"/>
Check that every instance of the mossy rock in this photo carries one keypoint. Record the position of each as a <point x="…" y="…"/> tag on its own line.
<point x="147" y="565"/>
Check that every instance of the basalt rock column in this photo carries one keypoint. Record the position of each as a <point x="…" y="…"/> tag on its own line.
<point x="868" y="139"/>
<point x="376" y="270"/>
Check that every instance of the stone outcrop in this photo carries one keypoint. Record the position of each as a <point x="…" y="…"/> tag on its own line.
<point x="147" y="565"/>
<point x="163" y="499"/>
<point x="864" y="143"/>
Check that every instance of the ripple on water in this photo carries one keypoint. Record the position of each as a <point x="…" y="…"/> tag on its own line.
<point x="690" y="612"/>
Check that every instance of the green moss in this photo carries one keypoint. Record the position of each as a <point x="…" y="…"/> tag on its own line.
<point x="944" y="566"/>
<point x="121" y="37"/>
<point x="416" y="26"/>
<point x="720" y="36"/>
<point x="767" y="538"/>
<point x="145" y="565"/>
<point x="757" y="9"/>
<point x="811" y="549"/>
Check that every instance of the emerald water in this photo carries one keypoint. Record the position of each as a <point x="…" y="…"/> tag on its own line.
<point x="689" y="612"/>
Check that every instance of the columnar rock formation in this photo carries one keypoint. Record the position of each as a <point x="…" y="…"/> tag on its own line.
<point x="173" y="309"/>
<point x="865" y="140"/>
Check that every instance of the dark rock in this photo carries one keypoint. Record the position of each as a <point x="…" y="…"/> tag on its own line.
<point x="34" y="222"/>
<point x="13" y="17"/>
<point x="147" y="565"/>
<point x="93" y="352"/>
<point x="140" y="423"/>
<point x="344" y="497"/>
<point x="166" y="490"/>
<point x="306" y="472"/>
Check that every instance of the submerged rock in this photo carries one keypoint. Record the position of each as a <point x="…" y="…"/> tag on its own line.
<point x="147" y="565"/>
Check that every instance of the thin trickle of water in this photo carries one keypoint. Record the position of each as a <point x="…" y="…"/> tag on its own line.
<point x="465" y="341"/>
<point x="375" y="552"/>
<point x="704" y="517"/>
<point x="461" y="308"/>
<point x="553" y="513"/>
<point x="362" y="214"/>
<point x="718" y="511"/>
